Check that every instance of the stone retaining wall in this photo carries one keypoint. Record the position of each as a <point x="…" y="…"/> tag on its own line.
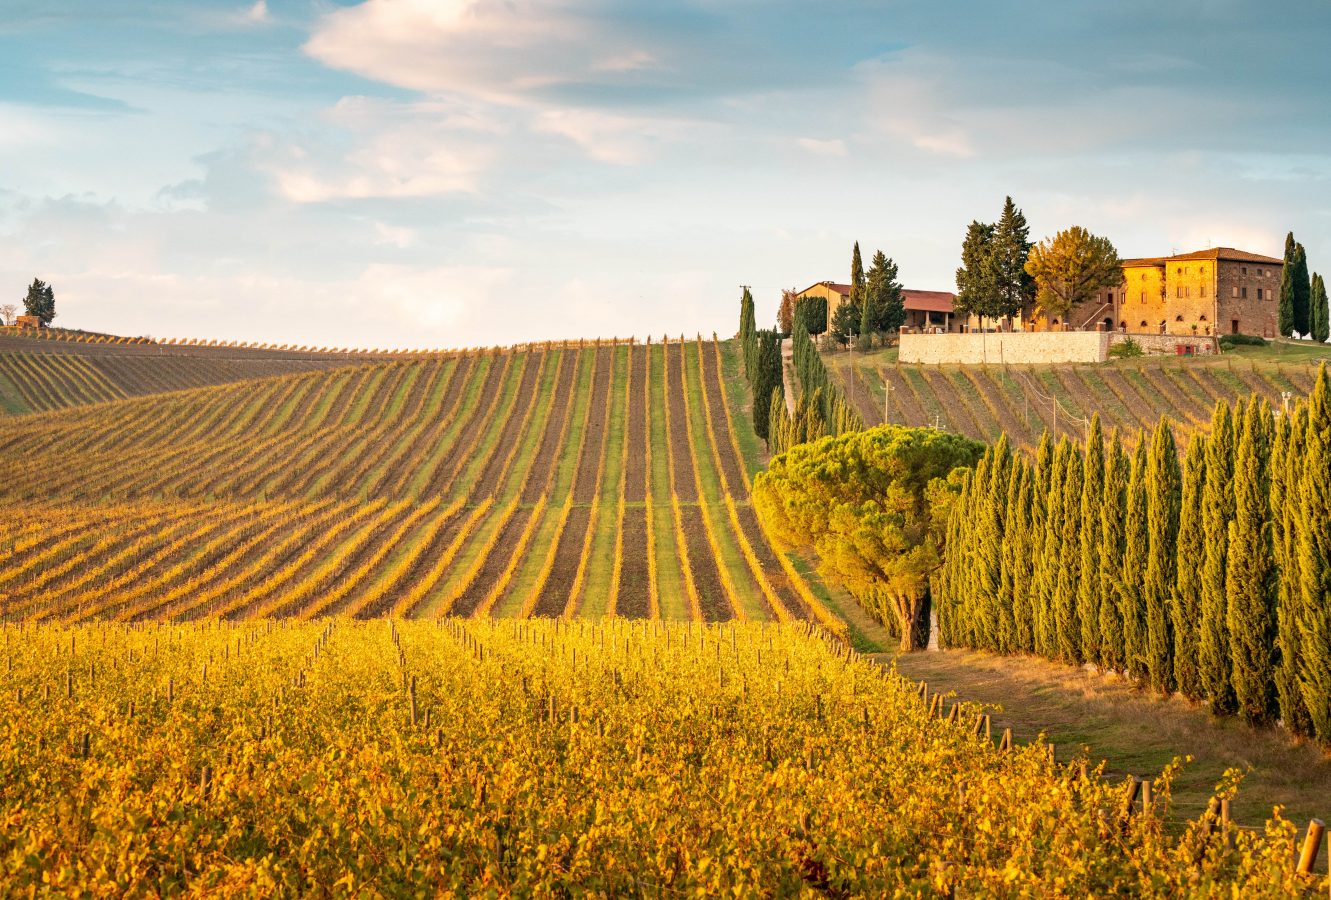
<point x="1010" y="348"/>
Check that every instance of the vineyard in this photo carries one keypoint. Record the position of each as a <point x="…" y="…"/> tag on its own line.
<point x="553" y="480"/>
<point x="37" y="375"/>
<point x="984" y="402"/>
<point x="536" y="758"/>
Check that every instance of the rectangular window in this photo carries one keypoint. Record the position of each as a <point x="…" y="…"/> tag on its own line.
<point x="1244" y="270"/>
<point x="1235" y="291"/>
<point x="1178" y="293"/>
<point x="1143" y="296"/>
<point x="1187" y="291"/>
<point x="1243" y="293"/>
<point x="1259" y="293"/>
<point x="1233" y="326"/>
<point x="1201" y="291"/>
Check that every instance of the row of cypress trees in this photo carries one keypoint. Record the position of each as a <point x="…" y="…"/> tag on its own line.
<point x="1211" y="578"/>
<point x="762" y="367"/>
<point x="821" y="409"/>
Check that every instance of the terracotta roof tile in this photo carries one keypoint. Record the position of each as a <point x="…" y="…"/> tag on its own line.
<point x="928" y="301"/>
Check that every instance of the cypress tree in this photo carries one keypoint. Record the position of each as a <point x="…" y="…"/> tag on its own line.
<point x="1113" y="531"/>
<point x="1285" y="312"/>
<point x="1213" y="659"/>
<point x="1136" y="551"/>
<point x="1302" y="290"/>
<point x="988" y="555"/>
<point x="767" y="387"/>
<point x="1250" y="572"/>
<point x="1313" y="617"/>
<point x="748" y="336"/>
<point x="1287" y="504"/>
<point x="1163" y="483"/>
<point x="1016" y="550"/>
<point x="1067" y="625"/>
<point x="951" y="589"/>
<point x="1188" y="584"/>
<point x="857" y="278"/>
<point x="1091" y="583"/>
<point x="1048" y="561"/>
<point x="1319" y="317"/>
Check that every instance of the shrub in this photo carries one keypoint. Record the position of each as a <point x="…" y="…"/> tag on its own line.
<point x="1230" y="341"/>
<point x="1127" y="349"/>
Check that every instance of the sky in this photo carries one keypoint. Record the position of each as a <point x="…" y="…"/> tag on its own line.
<point x="443" y="173"/>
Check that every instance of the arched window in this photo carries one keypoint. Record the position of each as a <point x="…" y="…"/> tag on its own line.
<point x="1143" y="323"/>
<point x="1176" y="319"/>
<point x="1123" y="326"/>
<point x="1203" y="317"/>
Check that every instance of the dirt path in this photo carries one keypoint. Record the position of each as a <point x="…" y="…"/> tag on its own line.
<point x="1136" y="732"/>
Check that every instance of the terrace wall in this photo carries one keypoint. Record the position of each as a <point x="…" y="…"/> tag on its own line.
<point x="1015" y="347"/>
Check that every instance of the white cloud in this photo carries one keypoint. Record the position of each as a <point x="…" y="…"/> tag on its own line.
<point x="385" y="150"/>
<point x="258" y="13"/>
<point x="821" y="147"/>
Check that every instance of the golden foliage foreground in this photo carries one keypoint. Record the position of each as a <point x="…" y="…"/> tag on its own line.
<point x="539" y="758"/>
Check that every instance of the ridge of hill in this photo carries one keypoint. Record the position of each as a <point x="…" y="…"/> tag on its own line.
<point x="42" y="374"/>
<point x="984" y="402"/>
<point x="550" y="480"/>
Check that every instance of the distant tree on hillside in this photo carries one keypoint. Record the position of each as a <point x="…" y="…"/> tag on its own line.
<point x="1011" y="248"/>
<point x="813" y="311"/>
<point x="1302" y="291"/>
<point x="1319" y="317"/>
<point x="1071" y="268"/>
<point x="8" y="312"/>
<point x="884" y="311"/>
<point x="846" y="321"/>
<point x="785" y="314"/>
<point x="767" y="382"/>
<point x="40" y="301"/>
<point x="1285" y="312"/>
<point x="976" y="287"/>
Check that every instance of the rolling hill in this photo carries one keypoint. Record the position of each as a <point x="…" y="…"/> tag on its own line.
<point x="41" y="374"/>
<point x="985" y="401"/>
<point x="555" y="480"/>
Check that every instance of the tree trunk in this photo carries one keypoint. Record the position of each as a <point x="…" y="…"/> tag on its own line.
<point x="913" y="620"/>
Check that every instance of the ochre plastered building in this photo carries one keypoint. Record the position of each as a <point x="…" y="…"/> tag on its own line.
<point x="925" y="310"/>
<point x="1209" y="292"/>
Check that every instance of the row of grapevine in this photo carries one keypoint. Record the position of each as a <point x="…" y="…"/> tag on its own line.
<point x="985" y="402"/>
<point x="411" y="487"/>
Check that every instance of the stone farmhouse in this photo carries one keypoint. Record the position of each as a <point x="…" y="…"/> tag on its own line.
<point x="926" y="311"/>
<point x="1209" y="292"/>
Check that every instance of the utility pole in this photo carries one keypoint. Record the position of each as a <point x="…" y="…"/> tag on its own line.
<point x="887" y="401"/>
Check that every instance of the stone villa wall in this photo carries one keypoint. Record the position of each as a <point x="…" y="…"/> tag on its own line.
<point x="1168" y="344"/>
<point x="1010" y="347"/>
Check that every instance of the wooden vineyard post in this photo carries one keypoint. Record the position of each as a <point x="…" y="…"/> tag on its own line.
<point x="1312" y="843"/>
<point x="1005" y="743"/>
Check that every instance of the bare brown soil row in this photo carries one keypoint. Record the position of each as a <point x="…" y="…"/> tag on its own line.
<point x="552" y="441"/>
<point x="418" y="568"/>
<point x="1157" y="381"/>
<point x="554" y="593"/>
<point x="357" y="546"/>
<point x="772" y="569"/>
<point x="496" y="563"/>
<point x="635" y="474"/>
<point x="447" y="466"/>
<point x="589" y="465"/>
<point x="706" y="578"/>
<point x="518" y="418"/>
<point x="955" y="412"/>
<point x="686" y="482"/>
<point x="731" y="466"/>
<point x="904" y="408"/>
<point x="997" y="398"/>
<point x="634" y="600"/>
